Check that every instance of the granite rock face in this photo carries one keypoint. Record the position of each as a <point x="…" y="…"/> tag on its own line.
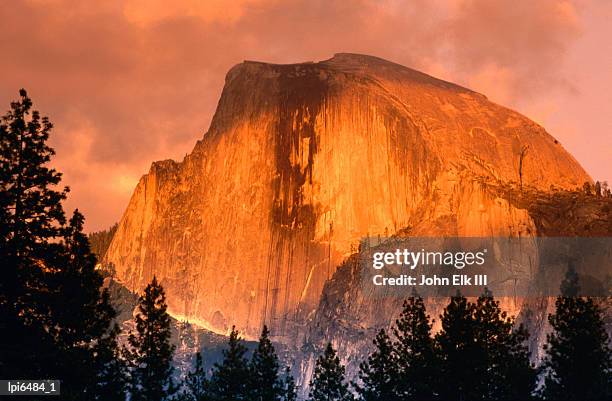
<point x="300" y="163"/>
<point x="349" y="316"/>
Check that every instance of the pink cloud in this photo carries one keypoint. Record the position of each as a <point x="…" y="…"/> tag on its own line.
<point x="127" y="83"/>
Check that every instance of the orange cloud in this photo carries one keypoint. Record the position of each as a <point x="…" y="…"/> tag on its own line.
<point x="146" y="12"/>
<point x="129" y="82"/>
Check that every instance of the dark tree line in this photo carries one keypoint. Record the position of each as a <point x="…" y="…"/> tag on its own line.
<point x="57" y="322"/>
<point x="240" y="378"/>
<point x="99" y="241"/>
<point x="479" y="354"/>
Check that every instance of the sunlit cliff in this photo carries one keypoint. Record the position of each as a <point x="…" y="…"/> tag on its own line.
<point x="302" y="161"/>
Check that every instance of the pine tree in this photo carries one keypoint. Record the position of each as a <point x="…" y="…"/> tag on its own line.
<point x="150" y="353"/>
<point x="196" y="384"/>
<point x="230" y="379"/>
<point x="111" y="379"/>
<point x="31" y="221"/>
<point x="414" y="352"/>
<point x="83" y="315"/>
<point x="378" y="376"/>
<point x="55" y="317"/>
<point x="328" y="383"/>
<point x="289" y="388"/>
<point x="31" y="208"/>
<point x="265" y="382"/>
<point x="578" y="361"/>
<point x="508" y="374"/>
<point x="460" y="360"/>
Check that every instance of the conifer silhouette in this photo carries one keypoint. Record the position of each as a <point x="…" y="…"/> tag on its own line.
<point x="230" y="378"/>
<point x="578" y="361"/>
<point x="481" y="355"/>
<point x="414" y="352"/>
<point x="378" y="375"/>
<point x="150" y="354"/>
<point x="328" y="381"/>
<point x="459" y="357"/>
<point x="31" y="221"/>
<point x="508" y="373"/>
<point x="81" y="309"/>
<point x="55" y="316"/>
<point x="265" y="382"/>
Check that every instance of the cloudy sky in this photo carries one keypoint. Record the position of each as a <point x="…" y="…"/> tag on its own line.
<point x="129" y="82"/>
